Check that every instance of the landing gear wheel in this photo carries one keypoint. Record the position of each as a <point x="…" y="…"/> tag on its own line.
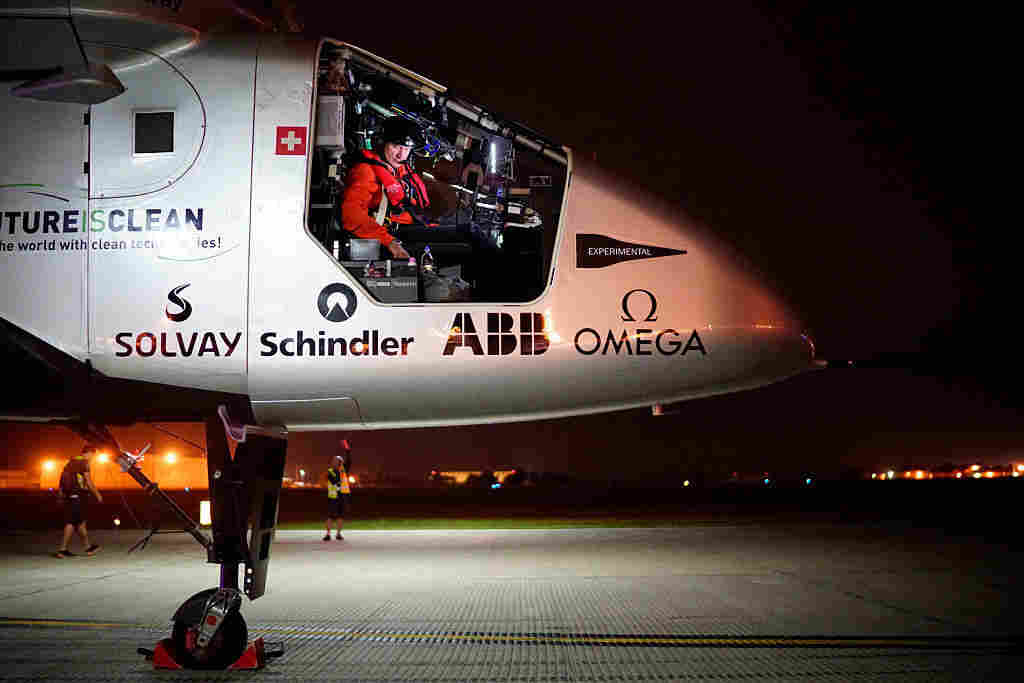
<point x="223" y="649"/>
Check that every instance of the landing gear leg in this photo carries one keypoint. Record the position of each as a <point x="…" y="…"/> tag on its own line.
<point x="245" y="467"/>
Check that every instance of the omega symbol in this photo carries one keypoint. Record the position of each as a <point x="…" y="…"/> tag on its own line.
<point x="336" y="313"/>
<point x="628" y="317"/>
<point x="186" y="307"/>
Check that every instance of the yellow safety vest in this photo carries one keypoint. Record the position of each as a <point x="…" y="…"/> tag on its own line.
<point x="334" y="489"/>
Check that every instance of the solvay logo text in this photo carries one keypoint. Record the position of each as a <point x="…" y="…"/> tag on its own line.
<point x="171" y="344"/>
<point x="174" y="344"/>
<point x="501" y="336"/>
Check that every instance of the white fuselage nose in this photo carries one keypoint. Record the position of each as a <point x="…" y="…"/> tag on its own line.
<point x="642" y="308"/>
<point x="652" y="308"/>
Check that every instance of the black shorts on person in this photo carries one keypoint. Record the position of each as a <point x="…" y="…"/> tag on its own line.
<point x="74" y="510"/>
<point x="336" y="506"/>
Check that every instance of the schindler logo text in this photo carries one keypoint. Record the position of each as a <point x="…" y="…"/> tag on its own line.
<point x="501" y="336"/>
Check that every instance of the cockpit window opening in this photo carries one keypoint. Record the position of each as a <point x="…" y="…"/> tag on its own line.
<point x="465" y="196"/>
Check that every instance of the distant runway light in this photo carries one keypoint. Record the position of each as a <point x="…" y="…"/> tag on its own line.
<point x="117" y="521"/>
<point x="807" y="481"/>
<point x="686" y="483"/>
<point x="767" y="481"/>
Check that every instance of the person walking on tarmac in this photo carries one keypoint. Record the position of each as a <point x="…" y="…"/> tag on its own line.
<point x="338" y="490"/>
<point x="382" y="190"/>
<point x="75" y="484"/>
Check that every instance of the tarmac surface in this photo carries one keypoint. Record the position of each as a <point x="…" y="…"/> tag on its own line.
<point x="779" y="602"/>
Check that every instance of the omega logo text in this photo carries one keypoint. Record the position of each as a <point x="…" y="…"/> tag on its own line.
<point x="638" y="342"/>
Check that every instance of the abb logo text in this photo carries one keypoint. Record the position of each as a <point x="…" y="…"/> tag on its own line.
<point x="502" y="338"/>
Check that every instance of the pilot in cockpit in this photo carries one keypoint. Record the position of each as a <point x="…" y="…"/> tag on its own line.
<point x="382" y="190"/>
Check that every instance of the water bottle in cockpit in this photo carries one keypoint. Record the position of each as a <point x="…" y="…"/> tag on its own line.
<point x="427" y="261"/>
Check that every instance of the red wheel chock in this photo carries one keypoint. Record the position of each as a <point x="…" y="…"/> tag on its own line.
<point x="254" y="657"/>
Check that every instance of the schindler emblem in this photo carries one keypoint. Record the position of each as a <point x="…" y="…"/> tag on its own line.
<point x="598" y="251"/>
<point x="183" y="304"/>
<point x="335" y="313"/>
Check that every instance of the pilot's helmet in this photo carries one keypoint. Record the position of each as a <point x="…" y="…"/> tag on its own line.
<point x="399" y="131"/>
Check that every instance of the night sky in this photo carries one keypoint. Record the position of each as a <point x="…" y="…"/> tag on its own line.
<point x="849" y="156"/>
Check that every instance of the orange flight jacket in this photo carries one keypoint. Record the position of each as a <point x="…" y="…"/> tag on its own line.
<point x="365" y="186"/>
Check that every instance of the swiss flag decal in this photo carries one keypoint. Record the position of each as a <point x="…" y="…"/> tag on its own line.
<point x="291" y="140"/>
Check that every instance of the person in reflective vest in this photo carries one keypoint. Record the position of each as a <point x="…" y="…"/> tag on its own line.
<point x="75" y="486"/>
<point x="338" y="490"/>
<point x="382" y="190"/>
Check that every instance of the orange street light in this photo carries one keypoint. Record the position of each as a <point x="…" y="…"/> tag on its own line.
<point x="103" y="457"/>
<point x="171" y="458"/>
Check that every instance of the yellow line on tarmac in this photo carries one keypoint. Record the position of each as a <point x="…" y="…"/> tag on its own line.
<point x="57" y="622"/>
<point x="585" y="639"/>
<point x="681" y="640"/>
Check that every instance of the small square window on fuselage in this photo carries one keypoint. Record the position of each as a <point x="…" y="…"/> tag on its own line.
<point x="154" y="132"/>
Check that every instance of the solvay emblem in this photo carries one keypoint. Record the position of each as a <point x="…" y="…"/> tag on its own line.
<point x="183" y="304"/>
